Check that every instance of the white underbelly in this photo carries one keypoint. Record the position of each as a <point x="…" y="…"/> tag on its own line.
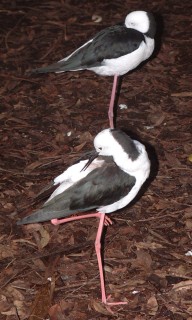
<point x="126" y="63"/>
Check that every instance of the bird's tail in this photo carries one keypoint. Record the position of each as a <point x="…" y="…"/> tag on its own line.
<point x="55" y="67"/>
<point x="45" y="214"/>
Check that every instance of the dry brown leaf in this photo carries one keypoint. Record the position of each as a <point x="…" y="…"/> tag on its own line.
<point x="25" y="241"/>
<point x="119" y="270"/>
<point x="76" y="314"/>
<point x="44" y="237"/>
<point x="183" y="285"/>
<point x="4" y="304"/>
<point x="41" y="304"/>
<point x="80" y="147"/>
<point x="99" y="307"/>
<point x="56" y="313"/>
<point x="14" y="293"/>
<point x="21" y="307"/>
<point x="7" y="250"/>
<point x="10" y="312"/>
<point x="131" y="284"/>
<point x="182" y="94"/>
<point x="143" y="260"/>
<point x="17" y="297"/>
<point x="188" y="213"/>
<point x="188" y="224"/>
<point x="161" y="204"/>
<point x="39" y="263"/>
<point x="85" y="137"/>
<point x="33" y="166"/>
<point x="172" y="159"/>
<point x="181" y="271"/>
<point x="129" y="230"/>
<point x="148" y="245"/>
<point x="152" y="306"/>
<point x="156" y="119"/>
<point x="108" y="268"/>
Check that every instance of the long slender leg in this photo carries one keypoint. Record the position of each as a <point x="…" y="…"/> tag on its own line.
<point x="107" y="220"/>
<point x="98" y="252"/>
<point x="112" y="102"/>
<point x="104" y="220"/>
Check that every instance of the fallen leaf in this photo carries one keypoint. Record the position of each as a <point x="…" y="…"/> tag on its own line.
<point x="156" y="119"/>
<point x="8" y="250"/>
<point x="44" y="237"/>
<point x="182" y="94"/>
<point x="148" y="245"/>
<point x="56" y="313"/>
<point x="143" y="260"/>
<point x="152" y="306"/>
<point x="130" y="284"/>
<point x="39" y="263"/>
<point x="99" y="307"/>
<point x="33" y="166"/>
<point x="183" y="285"/>
<point x="16" y="300"/>
<point x="4" y="304"/>
<point x="79" y="147"/>
<point x="129" y="231"/>
<point x="41" y="304"/>
<point x="14" y="293"/>
<point x="172" y="159"/>
<point x="188" y="224"/>
<point x="11" y="312"/>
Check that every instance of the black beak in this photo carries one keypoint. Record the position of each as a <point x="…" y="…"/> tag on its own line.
<point x="91" y="156"/>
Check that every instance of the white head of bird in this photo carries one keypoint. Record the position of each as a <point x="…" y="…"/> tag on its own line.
<point x="138" y="20"/>
<point x="130" y="155"/>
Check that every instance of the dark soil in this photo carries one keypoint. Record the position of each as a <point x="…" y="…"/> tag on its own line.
<point x="48" y="121"/>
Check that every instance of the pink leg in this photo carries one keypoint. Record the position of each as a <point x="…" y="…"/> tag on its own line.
<point x="98" y="252"/>
<point x="107" y="220"/>
<point x="112" y="101"/>
<point x="104" y="220"/>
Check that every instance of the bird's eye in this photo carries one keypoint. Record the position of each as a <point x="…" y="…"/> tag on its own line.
<point x="100" y="148"/>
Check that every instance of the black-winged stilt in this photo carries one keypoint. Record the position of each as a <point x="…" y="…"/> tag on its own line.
<point x="109" y="181"/>
<point x="114" y="51"/>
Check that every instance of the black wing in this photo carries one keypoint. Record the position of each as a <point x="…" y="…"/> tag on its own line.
<point x="103" y="186"/>
<point x="110" y="43"/>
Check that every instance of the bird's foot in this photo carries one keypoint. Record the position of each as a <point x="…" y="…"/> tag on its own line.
<point x="109" y="304"/>
<point x="55" y="222"/>
<point x="107" y="221"/>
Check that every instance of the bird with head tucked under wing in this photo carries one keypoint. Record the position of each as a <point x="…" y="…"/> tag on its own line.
<point x="107" y="182"/>
<point x="113" y="51"/>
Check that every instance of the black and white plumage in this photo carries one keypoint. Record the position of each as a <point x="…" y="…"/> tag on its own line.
<point x="114" y="51"/>
<point x="108" y="183"/>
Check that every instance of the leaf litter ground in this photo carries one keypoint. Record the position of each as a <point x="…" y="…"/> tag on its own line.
<point x="48" y="121"/>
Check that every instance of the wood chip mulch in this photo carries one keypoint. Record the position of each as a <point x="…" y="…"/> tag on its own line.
<point x="48" y="121"/>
